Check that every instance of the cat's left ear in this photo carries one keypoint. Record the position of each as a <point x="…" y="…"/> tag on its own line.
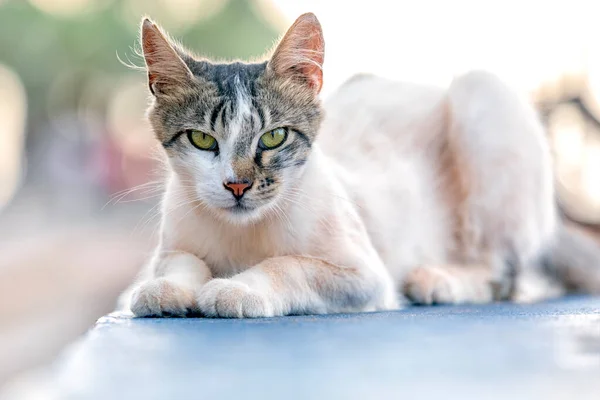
<point x="166" y="69"/>
<point x="301" y="53"/>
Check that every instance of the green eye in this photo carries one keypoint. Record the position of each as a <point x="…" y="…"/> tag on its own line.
<point x="272" y="139"/>
<point x="202" y="141"/>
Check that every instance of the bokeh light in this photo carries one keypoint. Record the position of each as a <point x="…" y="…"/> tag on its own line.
<point x="13" y="110"/>
<point x="187" y="12"/>
<point x="69" y="8"/>
<point x="176" y="15"/>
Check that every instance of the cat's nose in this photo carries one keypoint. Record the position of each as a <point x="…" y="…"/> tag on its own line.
<point x="238" y="188"/>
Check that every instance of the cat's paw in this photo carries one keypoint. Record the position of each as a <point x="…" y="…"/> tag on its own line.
<point x="162" y="298"/>
<point x="431" y="285"/>
<point x="233" y="299"/>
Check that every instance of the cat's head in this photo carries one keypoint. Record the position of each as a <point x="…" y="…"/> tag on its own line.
<point x="237" y="135"/>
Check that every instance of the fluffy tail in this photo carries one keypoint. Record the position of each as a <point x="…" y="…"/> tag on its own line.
<point x="574" y="261"/>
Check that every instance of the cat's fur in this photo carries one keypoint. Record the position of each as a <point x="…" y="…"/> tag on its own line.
<point x="443" y="196"/>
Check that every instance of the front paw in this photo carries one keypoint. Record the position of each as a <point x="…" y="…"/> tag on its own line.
<point x="233" y="299"/>
<point x="160" y="297"/>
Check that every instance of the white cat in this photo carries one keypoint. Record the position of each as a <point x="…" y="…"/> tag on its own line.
<point x="276" y="205"/>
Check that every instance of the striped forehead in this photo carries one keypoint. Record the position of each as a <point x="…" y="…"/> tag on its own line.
<point x="237" y="115"/>
<point x="241" y="116"/>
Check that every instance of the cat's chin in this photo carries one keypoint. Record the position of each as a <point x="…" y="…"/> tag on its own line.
<point x="241" y="215"/>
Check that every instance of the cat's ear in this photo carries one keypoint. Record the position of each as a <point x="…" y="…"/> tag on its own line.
<point x="301" y="52"/>
<point x="166" y="69"/>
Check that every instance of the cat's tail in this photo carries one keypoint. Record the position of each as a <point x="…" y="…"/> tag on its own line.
<point x="574" y="261"/>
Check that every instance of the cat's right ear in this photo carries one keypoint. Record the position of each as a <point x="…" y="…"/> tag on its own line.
<point x="166" y="69"/>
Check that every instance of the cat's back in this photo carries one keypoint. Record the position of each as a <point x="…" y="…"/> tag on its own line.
<point x="370" y="115"/>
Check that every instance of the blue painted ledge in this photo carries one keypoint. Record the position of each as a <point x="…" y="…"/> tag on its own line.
<point x="506" y="351"/>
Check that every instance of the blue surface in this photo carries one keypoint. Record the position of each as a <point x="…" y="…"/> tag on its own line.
<point x="546" y="351"/>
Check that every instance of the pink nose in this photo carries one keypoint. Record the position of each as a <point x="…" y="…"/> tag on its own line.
<point x="238" y="188"/>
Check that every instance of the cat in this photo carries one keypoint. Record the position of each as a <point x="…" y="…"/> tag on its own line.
<point x="389" y="192"/>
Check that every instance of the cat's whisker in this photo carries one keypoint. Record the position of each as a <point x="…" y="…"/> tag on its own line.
<point x="192" y="209"/>
<point x="302" y="192"/>
<point x="154" y="196"/>
<point x="284" y="217"/>
<point x="156" y="211"/>
<point x="148" y="187"/>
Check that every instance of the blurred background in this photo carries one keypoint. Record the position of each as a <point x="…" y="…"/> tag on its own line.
<point x="80" y="171"/>
<point x="72" y="130"/>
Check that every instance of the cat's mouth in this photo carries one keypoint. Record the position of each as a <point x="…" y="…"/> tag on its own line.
<point x="240" y="208"/>
<point x="241" y="213"/>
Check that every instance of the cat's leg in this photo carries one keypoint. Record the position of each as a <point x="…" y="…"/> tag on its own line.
<point x="172" y="290"/>
<point x="297" y="285"/>
<point x="449" y="284"/>
<point x="500" y="181"/>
